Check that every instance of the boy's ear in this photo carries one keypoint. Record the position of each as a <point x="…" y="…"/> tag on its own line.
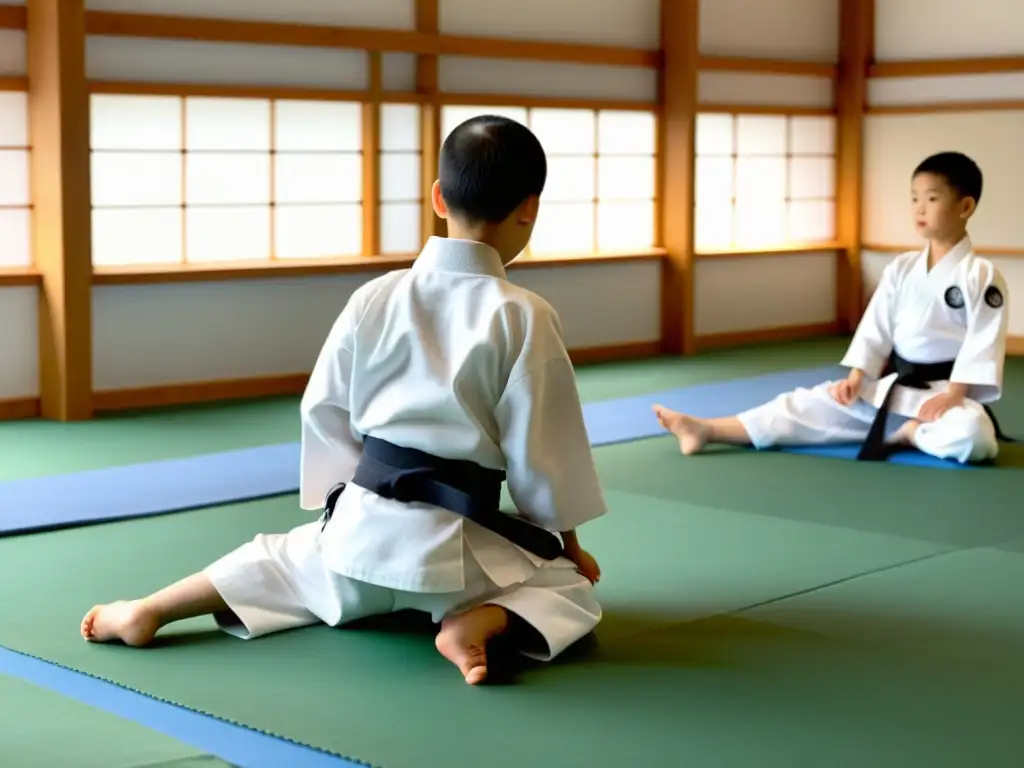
<point x="528" y="209"/>
<point x="967" y="207"/>
<point x="440" y="207"/>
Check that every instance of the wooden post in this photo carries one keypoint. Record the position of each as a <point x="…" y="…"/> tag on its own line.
<point x="428" y="84"/>
<point x="371" y="158"/>
<point x="680" y="43"/>
<point x="856" y="52"/>
<point x="60" y="178"/>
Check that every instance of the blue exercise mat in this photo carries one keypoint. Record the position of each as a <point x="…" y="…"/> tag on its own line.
<point x="176" y="485"/>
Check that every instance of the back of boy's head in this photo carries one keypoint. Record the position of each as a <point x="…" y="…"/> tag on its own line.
<point x="959" y="171"/>
<point x="489" y="165"/>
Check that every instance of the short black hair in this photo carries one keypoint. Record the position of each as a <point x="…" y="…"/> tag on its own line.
<point x="958" y="170"/>
<point x="488" y="166"/>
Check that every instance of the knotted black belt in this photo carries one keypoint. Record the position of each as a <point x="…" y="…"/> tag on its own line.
<point x="915" y="376"/>
<point x="463" y="487"/>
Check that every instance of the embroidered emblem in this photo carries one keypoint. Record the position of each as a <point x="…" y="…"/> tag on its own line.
<point x="993" y="297"/>
<point x="955" y="297"/>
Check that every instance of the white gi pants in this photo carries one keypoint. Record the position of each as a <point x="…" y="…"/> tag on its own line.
<point x="813" y="417"/>
<point x="278" y="582"/>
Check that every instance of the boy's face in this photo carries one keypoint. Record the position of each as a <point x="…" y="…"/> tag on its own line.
<point x="937" y="208"/>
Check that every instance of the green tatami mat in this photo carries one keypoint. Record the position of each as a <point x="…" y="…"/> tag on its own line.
<point x="37" y="448"/>
<point x="972" y="507"/>
<point x="923" y="662"/>
<point x="43" y="729"/>
<point x="387" y="698"/>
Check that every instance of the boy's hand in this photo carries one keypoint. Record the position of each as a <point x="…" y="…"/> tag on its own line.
<point x="585" y="564"/>
<point x="938" y="405"/>
<point x="845" y="392"/>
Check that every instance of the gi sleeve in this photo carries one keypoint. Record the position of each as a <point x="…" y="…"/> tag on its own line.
<point x="550" y="469"/>
<point x="872" y="342"/>
<point x="983" y="354"/>
<point x="330" y="447"/>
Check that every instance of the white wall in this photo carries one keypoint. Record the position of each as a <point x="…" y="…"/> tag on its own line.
<point x="895" y="143"/>
<point x="19" y="342"/>
<point x="801" y="30"/>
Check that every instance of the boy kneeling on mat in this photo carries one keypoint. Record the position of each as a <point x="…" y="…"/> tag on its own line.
<point x="930" y="347"/>
<point x="435" y="385"/>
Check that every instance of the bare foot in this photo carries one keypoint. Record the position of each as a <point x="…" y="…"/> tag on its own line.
<point x="904" y="436"/>
<point x="463" y="639"/>
<point x="130" y="622"/>
<point x="692" y="433"/>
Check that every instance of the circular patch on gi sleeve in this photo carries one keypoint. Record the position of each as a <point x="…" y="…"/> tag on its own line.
<point x="955" y="297"/>
<point x="993" y="297"/>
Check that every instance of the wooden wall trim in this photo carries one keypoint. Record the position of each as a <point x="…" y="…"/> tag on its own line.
<point x="763" y="109"/>
<point x="996" y="105"/>
<point x="61" y="221"/>
<point x="13" y="83"/>
<point x="767" y="66"/>
<point x="16" y="409"/>
<point x="13" y="17"/>
<point x="946" y="67"/>
<point x="709" y="341"/>
<point x="856" y="50"/>
<point x="1004" y="251"/>
<point x="677" y="90"/>
<point x="824" y="249"/>
<point x="13" y="276"/>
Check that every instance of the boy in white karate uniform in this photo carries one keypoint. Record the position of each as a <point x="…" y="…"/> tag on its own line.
<point x="930" y="347"/>
<point x="435" y="384"/>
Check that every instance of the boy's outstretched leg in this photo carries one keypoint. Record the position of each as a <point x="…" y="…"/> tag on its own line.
<point x="136" y="622"/>
<point x="463" y="639"/>
<point x="693" y="433"/>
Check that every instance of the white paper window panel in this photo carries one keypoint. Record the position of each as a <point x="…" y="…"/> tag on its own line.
<point x="135" y="122"/>
<point x="564" y="228"/>
<point x="13" y="119"/>
<point x="400" y="177"/>
<point x="565" y="131"/>
<point x="318" y="231"/>
<point x="622" y="132"/>
<point x="14" y="177"/>
<point x="768" y="90"/>
<point x="715" y="134"/>
<point x="761" y="223"/>
<point x="227" y="124"/>
<point x="780" y="29"/>
<point x="122" y="236"/>
<point x="812" y="177"/>
<point x="896" y="91"/>
<point x="630" y="23"/>
<point x="401" y="227"/>
<point x="318" y="178"/>
<point x="812" y="135"/>
<point x="398" y="71"/>
<point x="464" y="74"/>
<point x="232" y="179"/>
<point x="714" y="180"/>
<point x="175" y="61"/>
<point x="400" y="128"/>
<point x="625" y="178"/>
<point x="761" y="135"/>
<point x="317" y="126"/>
<point x="228" y="233"/>
<point x="136" y="178"/>
<point x="625" y="225"/>
<point x="944" y="29"/>
<point x="15" y="237"/>
<point x="812" y="221"/>
<point x="13" y="53"/>
<point x="714" y="222"/>
<point x="387" y="14"/>
<point x="570" y="179"/>
<point x="761" y="180"/>
<point x="453" y="116"/>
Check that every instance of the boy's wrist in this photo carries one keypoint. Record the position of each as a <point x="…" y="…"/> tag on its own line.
<point x="856" y="376"/>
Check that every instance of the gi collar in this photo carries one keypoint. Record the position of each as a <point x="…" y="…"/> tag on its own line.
<point x="447" y="254"/>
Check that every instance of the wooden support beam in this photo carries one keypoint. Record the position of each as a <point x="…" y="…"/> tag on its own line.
<point x="856" y="50"/>
<point x="371" y="158"/>
<point x="428" y="85"/>
<point x="62" y="232"/>
<point x="676" y="149"/>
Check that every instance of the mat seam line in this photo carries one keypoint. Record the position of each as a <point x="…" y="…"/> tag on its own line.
<point x="194" y="710"/>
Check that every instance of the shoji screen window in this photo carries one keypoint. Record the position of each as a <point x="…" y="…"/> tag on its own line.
<point x="15" y="197"/>
<point x="401" y="179"/>
<point x="764" y="181"/>
<point x="625" y="180"/>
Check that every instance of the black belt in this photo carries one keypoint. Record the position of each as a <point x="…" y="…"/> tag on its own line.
<point x="915" y="376"/>
<point x="462" y="487"/>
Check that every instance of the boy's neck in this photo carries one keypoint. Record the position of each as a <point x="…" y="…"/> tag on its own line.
<point x="476" y="234"/>
<point x="938" y="247"/>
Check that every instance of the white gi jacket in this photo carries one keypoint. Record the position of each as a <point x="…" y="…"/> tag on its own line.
<point x="450" y="358"/>
<point x="956" y="311"/>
